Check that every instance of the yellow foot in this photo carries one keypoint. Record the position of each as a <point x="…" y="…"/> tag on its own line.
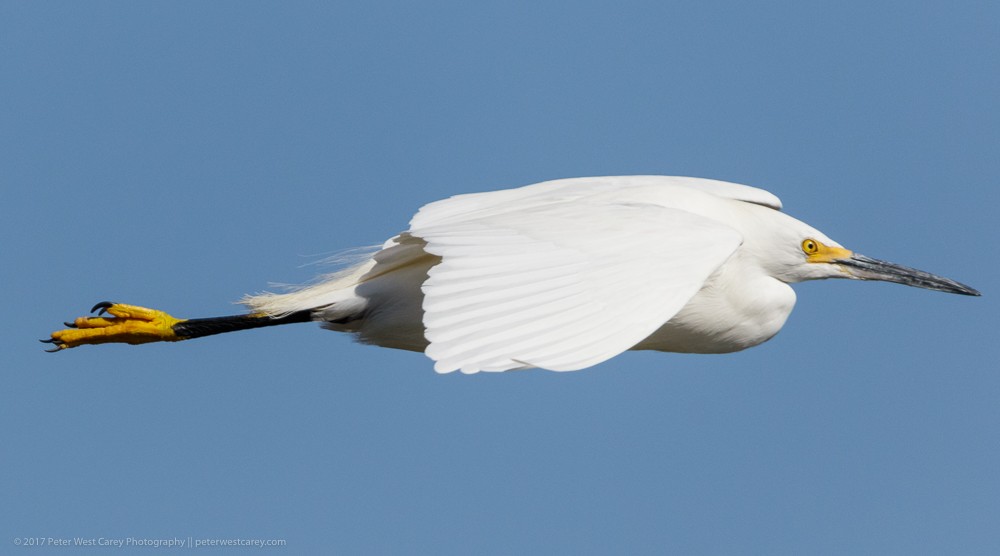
<point x="128" y="324"/>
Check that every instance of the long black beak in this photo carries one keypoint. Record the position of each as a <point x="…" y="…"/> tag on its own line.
<point x="867" y="268"/>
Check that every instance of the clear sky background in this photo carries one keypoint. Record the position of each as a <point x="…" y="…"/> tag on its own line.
<point x="179" y="155"/>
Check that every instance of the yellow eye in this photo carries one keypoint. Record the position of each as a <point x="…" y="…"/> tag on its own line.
<point x="810" y="246"/>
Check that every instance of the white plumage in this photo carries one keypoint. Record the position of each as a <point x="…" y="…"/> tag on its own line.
<point x="565" y="274"/>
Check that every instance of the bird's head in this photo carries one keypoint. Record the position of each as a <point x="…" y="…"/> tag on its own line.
<point x="807" y="254"/>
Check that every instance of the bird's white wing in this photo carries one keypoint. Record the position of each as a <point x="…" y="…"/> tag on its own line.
<point x="729" y="190"/>
<point x="562" y="286"/>
<point x="462" y="207"/>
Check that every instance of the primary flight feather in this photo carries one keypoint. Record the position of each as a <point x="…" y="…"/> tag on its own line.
<point x="558" y="275"/>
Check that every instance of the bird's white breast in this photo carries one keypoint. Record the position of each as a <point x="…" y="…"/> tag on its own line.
<point x="730" y="313"/>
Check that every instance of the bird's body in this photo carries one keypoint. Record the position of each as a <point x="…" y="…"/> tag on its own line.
<point x="736" y="307"/>
<point x="565" y="274"/>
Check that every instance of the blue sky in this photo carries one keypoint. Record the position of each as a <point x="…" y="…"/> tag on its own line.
<point x="179" y="155"/>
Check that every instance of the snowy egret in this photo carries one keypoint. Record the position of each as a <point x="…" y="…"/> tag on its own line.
<point x="559" y="275"/>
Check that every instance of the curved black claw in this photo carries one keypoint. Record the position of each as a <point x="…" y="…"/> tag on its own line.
<point x="70" y="324"/>
<point x="103" y="306"/>
<point x="52" y="341"/>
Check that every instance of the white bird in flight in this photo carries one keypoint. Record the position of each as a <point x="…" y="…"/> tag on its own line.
<point x="558" y="275"/>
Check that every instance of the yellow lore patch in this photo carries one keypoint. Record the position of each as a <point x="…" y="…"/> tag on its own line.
<point x="818" y="252"/>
